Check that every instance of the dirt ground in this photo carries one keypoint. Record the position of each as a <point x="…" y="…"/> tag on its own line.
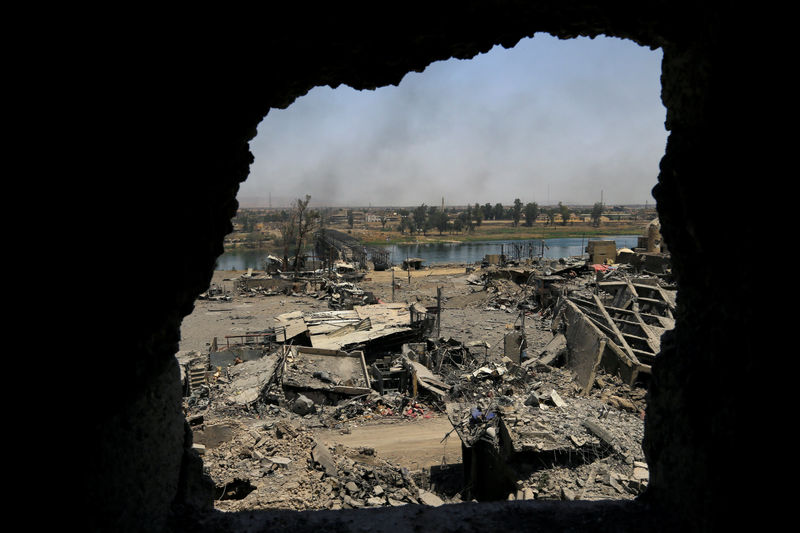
<point x="418" y="444"/>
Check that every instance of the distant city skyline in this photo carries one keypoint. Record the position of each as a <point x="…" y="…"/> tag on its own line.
<point x="547" y="121"/>
<point x="650" y="205"/>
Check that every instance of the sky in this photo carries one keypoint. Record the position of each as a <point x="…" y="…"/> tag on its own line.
<point x="548" y="121"/>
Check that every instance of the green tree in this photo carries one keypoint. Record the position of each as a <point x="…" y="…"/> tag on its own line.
<point x="531" y="213"/>
<point x="477" y="212"/>
<point x="403" y="226"/>
<point x="420" y="215"/>
<point x="499" y="212"/>
<point x="439" y="219"/>
<point x="488" y="211"/>
<point x="350" y="218"/>
<point x="597" y="212"/>
<point x="516" y="213"/>
<point x="564" y="212"/>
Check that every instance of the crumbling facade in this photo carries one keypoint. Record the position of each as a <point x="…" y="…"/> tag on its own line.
<point x="179" y="129"/>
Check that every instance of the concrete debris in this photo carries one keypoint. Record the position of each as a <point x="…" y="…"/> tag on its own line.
<point x="539" y="374"/>
<point x="429" y="498"/>
<point x="369" y="328"/>
<point x="556" y="399"/>
<point x="620" y="332"/>
<point x="322" y="457"/>
<point x="302" y="405"/>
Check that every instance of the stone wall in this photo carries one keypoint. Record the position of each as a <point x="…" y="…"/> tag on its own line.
<point x="176" y="110"/>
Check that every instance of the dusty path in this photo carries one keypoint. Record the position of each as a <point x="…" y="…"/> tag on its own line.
<point x="412" y="444"/>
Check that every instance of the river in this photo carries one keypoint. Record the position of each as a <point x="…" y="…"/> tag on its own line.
<point x="460" y="253"/>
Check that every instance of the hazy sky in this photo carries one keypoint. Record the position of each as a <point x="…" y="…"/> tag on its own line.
<point x="547" y="121"/>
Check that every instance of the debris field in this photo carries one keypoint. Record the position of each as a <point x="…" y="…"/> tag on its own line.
<point x="336" y="389"/>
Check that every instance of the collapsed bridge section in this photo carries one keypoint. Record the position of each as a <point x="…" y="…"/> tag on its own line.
<point x="335" y="245"/>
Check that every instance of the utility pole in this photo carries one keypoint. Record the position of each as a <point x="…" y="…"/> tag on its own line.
<point x="438" y="312"/>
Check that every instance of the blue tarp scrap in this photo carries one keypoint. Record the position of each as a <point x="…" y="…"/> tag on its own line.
<point x="477" y="416"/>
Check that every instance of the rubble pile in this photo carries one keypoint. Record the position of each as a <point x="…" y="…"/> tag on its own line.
<point x="504" y="294"/>
<point x="554" y="411"/>
<point x="337" y="286"/>
<point x="345" y="294"/>
<point x="215" y="293"/>
<point x="278" y="465"/>
<point x="375" y="406"/>
<point x="547" y="437"/>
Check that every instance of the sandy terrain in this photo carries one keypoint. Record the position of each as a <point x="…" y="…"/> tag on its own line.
<point x="413" y="444"/>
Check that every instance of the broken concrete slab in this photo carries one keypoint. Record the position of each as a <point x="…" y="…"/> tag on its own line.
<point x="425" y="379"/>
<point x="553" y="350"/>
<point x="596" y="339"/>
<point x="556" y="399"/>
<point x="585" y="344"/>
<point x="325" y="376"/>
<point x="641" y="474"/>
<point x="321" y="456"/>
<point x="429" y="498"/>
<point x="600" y="432"/>
<point x="280" y="461"/>
<point x="250" y="379"/>
<point x="513" y="345"/>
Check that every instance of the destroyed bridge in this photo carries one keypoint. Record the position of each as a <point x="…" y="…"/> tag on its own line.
<point x="334" y="245"/>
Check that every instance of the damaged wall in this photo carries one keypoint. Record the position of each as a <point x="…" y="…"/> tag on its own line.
<point x="183" y="140"/>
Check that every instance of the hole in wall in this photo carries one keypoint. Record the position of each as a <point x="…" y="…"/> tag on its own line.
<point x="534" y="127"/>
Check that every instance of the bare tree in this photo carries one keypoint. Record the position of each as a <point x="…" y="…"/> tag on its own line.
<point x="306" y="221"/>
<point x="288" y="234"/>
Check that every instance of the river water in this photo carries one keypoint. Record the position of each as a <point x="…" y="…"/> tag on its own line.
<point x="461" y="253"/>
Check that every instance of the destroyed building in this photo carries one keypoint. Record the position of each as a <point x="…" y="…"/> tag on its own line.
<point x="375" y="329"/>
<point x="554" y="421"/>
<point x="622" y="334"/>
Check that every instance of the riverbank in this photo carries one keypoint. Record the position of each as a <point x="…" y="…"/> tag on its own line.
<point x="501" y="231"/>
<point x="487" y="231"/>
<point x="458" y="252"/>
